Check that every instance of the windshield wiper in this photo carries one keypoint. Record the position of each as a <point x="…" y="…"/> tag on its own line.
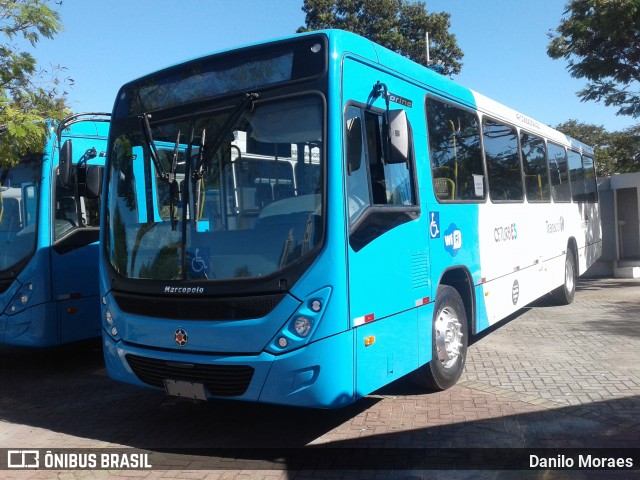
<point x="174" y="160"/>
<point x="174" y="189"/>
<point x="153" y="151"/>
<point x="247" y="102"/>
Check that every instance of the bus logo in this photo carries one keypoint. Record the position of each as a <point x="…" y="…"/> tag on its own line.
<point x="515" y="292"/>
<point x="23" y="459"/>
<point x="400" y="100"/>
<point x="181" y="337"/>
<point x="452" y="240"/>
<point x="555" y="227"/>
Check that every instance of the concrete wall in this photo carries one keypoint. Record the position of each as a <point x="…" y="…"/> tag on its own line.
<point x="620" y="215"/>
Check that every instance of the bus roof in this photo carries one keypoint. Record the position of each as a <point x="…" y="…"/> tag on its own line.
<point x="347" y="43"/>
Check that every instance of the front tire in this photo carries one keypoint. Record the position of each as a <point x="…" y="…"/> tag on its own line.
<point x="449" y="342"/>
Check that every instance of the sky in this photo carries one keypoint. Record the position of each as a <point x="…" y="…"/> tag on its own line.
<point x="106" y="43"/>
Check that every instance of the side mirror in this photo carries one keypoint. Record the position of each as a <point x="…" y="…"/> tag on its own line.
<point x="399" y="136"/>
<point x="66" y="159"/>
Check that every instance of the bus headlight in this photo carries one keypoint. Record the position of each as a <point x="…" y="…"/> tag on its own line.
<point x="298" y="329"/>
<point x="108" y="318"/>
<point x="302" y="326"/>
<point x="109" y="324"/>
<point x="21" y="299"/>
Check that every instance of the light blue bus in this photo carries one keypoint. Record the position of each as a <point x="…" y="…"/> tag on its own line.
<point x="303" y="221"/>
<point x="49" y="231"/>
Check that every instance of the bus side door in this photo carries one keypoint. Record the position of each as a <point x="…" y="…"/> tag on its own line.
<point x="388" y="263"/>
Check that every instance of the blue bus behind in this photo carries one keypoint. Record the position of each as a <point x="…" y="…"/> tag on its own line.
<point x="49" y="231"/>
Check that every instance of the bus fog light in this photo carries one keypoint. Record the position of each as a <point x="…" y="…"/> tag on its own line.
<point x="283" y="342"/>
<point x="114" y="331"/>
<point x="302" y="326"/>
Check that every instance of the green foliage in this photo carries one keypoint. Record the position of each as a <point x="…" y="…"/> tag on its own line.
<point x="28" y="96"/>
<point x="625" y="148"/>
<point x="399" y="25"/>
<point x="616" y="152"/>
<point x="600" y="39"/>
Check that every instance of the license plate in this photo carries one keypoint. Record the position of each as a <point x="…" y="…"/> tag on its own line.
<point x="177" y="388"/>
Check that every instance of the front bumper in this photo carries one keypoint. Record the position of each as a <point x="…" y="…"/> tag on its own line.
<point x="319" y="375"/>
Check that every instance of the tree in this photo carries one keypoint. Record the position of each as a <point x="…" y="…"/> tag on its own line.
<point x="595" y="136"/>
<point x="27" y="96"/>
<point x="399" y="25"/>
<point x="625" y="148"/>
<point x="615" y="152"/>
<point x="600" y="39"/>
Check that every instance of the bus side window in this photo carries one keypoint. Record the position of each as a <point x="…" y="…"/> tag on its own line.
<point x="503" y="162"/>
<point x="577" y="176"/>
<point x="560" y="189"/>
<point x="380" y="194"/>
<point x="534" y="161"/>
<point x="357" y="176"/>
<point x="591" y="189"/>
<point x="454" y="150"/>
<point x="372" y="181"/>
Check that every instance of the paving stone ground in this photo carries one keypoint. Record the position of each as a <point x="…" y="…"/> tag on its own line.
<point x="547" y="377"/>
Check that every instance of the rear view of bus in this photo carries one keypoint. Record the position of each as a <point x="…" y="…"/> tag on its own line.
<point x="49" y="229"/>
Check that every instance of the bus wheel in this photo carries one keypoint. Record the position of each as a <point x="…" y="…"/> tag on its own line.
<point x="563" y="295"/>
<point x="449" y="342"/>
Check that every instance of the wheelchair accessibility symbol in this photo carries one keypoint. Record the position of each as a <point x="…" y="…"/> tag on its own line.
<point x="434" y="226"/>
<point x="199" y="262"/>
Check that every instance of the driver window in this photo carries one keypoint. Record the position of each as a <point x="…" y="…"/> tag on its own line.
<point x="358" y="196"/>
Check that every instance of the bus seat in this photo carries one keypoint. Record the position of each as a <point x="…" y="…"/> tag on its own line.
<point x="281" y="190"/>
<point x="444" y="188"/>
<point x="264" y="195"/>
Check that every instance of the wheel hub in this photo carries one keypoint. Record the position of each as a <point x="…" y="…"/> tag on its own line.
<point x="448" y="332"/>
<point x="569" y="277"/>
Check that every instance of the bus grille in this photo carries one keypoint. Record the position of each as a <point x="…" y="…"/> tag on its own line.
<point x="219" y="380"/>
<point x="230" y="308"/>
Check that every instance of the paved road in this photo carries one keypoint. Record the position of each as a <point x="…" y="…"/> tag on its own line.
<point x="549" y="377"/>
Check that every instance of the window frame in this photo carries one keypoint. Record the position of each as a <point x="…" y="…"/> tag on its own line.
<point x="518" y="153"/>
<point x="475" y="114"/>
<point x="377" y="218"/>
<point x="593" y="197"/>
<point x="567" y="173"/>
<point x="546" y="165"/>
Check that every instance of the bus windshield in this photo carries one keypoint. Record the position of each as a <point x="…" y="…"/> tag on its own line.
<point x="19" y="191"/>
<point x="234" y="193"/>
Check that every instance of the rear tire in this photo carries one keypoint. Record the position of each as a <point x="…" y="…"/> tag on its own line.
<point x="449" y="342"/>
<point x="564" y="294"/>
